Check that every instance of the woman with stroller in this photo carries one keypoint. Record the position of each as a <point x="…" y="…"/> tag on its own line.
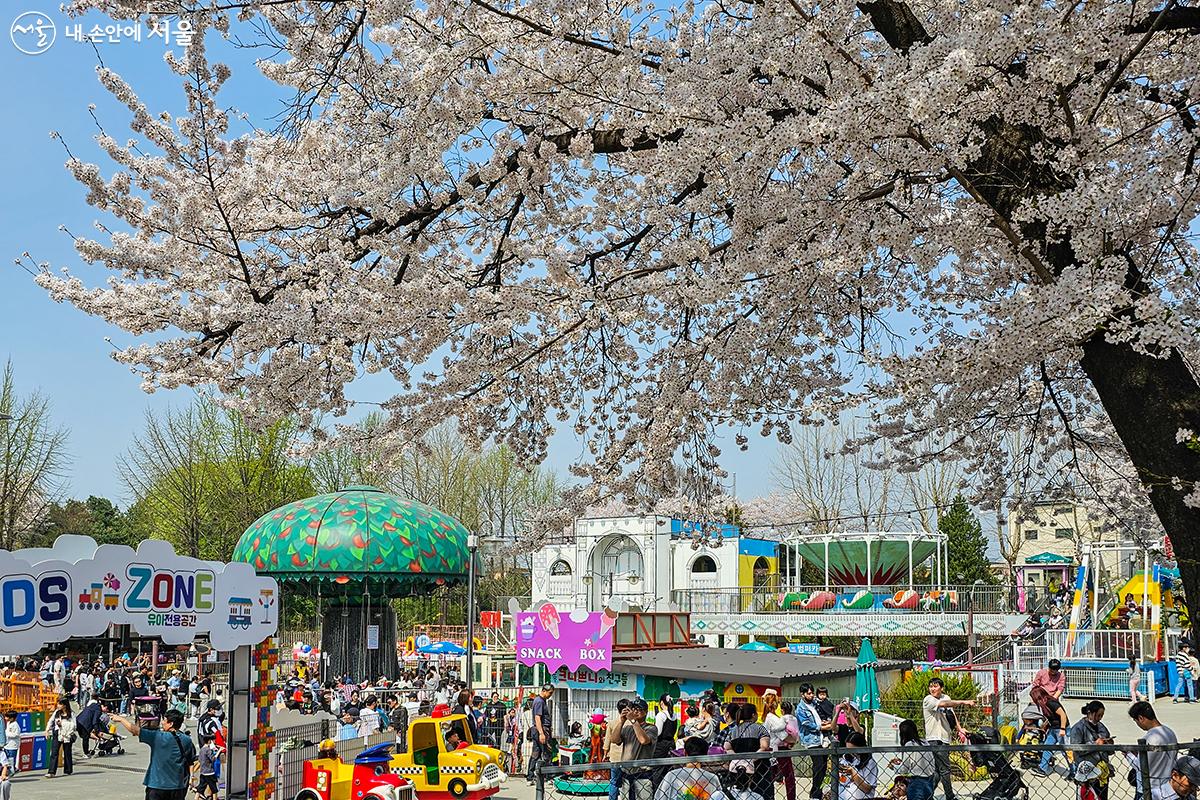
<point x="1090" y="730"/>
<point x="749" y="735"/>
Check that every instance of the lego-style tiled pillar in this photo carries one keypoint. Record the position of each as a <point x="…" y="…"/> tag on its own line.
<point x="251" y="738"/>
<point x="262" y="738"/>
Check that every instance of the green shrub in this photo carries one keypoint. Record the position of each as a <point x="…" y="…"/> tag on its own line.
<point x="905" y="698"/>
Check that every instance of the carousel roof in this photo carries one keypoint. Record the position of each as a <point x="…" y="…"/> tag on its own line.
<point x="360" y="535"/>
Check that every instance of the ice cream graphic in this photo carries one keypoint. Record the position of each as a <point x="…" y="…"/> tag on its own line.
<point x="528" y="629"/>
<point x="548" y="614"/>
<point x="607" y="620"/>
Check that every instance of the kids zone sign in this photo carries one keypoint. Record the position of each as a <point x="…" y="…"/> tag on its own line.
<point x="77" y="588"/>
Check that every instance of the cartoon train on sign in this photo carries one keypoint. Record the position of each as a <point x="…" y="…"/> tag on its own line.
<point x="239" y="612"/>
<point x="96" y="598"/>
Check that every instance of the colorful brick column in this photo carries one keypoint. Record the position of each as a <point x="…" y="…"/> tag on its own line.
<point x="262" y="738"/>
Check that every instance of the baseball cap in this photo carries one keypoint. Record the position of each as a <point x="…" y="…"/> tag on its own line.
<point x="1054" y="664"/>
<point x="214" y="704"/>
<point x="1189" y="767"/>
<point x="639" y="704"/>
<point x="327" y="744"/>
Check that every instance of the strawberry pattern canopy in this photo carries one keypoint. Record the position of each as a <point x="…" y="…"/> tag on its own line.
<point x="359" y="535"/>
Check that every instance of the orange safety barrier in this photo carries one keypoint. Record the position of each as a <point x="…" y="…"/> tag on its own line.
<point x="24" y="691"/>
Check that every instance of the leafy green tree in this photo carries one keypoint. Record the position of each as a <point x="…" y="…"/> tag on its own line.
<point x="966" y="545"/>
<point x="200" y="476"/>
<point x="96" y="517"/>
<point x="109" y="524"/>
<point x="33" y="460"/>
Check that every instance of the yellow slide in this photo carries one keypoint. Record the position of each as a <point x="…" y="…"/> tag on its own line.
<point x="1135" y="586"/>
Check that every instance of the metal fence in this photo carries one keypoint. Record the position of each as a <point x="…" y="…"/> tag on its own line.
<point x="842" y="599"/>
<point x="1091" y="682"/>
<point x="1117" y="645"/>
<point x="1134" y="771"/>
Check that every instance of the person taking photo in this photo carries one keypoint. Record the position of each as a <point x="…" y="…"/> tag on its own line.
<point x="171" y="755"/>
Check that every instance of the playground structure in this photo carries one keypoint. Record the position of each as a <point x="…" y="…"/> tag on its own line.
<point x="1125" y="605"/>
<point x="875" y="584"/>
<point x="354" y="551"/>
<point x="1115" y="617"/>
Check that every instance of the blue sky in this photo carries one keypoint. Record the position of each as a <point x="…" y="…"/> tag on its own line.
<point x="61" y="351"/>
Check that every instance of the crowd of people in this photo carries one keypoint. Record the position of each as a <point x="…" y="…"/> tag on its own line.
<point x="95" y="695"/>
<point x="706" y="726"/>
<point x="365" y="707"/>
<point x="775" y="736"/>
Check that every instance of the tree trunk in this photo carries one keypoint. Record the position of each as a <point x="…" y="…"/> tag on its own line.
<point x="1148" y="400"/>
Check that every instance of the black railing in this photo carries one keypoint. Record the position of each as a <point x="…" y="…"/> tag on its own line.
<point x="982" y="771"/>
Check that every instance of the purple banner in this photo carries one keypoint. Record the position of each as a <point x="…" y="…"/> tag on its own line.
<point x="565" y="639"/>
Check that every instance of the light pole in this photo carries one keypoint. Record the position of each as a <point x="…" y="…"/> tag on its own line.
<point x="971" y="622"/>
<point x="472" y="547"/>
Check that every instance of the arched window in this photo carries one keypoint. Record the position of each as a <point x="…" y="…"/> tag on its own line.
<point x="622" y="558"/>
<point x="560" y="567"/>
<point x="704" y="564"/>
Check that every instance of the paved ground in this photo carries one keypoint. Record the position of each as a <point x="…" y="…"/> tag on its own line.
<point x="121" y="776"/>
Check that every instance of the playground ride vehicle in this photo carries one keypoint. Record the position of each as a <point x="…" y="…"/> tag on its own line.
<point x="370" y="776"/>
<point x="437" y="770"/>
<point x="906" y="598"/>
<point x="860" y="601"/>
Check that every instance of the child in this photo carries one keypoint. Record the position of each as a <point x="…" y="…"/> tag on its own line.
<point x="206" y="763"/>
<point x="1135" y="680"/>
<point x="741" y="772"/>
<point x="12" y="744"/>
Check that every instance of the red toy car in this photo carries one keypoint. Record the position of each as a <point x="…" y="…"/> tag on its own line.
<point x="370" y="776"/>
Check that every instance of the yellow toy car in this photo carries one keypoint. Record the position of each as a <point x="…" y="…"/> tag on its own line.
<point x="443" y="761"/>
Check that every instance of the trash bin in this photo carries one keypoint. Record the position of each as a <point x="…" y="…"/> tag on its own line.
<point x="38" y="721"/>
<point x="25" y="755"/>
<point x="39" y="752"/>
<point x="25" y="720"/>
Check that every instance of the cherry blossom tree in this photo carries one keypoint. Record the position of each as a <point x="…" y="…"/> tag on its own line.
<point x="662" y="225"/>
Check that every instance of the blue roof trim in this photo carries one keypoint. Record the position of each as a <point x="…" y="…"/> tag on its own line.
<point x="757" y="547"/>
<point x="687" y="526"/>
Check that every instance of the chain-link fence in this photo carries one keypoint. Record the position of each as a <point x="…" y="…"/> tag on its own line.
<point x="982" y="770"/>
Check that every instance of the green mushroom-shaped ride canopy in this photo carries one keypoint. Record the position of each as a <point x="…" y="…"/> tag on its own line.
<point x="357" y="548"/>
<point x="358" y="541"/>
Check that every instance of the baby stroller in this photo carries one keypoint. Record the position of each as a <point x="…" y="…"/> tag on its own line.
<point x="108" y="744"/>
<point x="1031" y="733"/>
<point x="1006" y="782"/>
